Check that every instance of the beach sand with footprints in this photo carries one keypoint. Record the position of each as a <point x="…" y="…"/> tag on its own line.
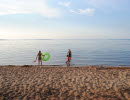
<point x="64" y="83"/>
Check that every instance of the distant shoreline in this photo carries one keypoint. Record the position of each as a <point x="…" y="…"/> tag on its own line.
<point x="63" y="66"/>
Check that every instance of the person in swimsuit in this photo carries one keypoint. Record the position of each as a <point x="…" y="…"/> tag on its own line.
<point x="39" y="57"/>
<point x="69" y="56"/>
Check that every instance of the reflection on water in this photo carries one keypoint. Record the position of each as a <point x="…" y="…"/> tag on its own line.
<point x="85" y="52"/>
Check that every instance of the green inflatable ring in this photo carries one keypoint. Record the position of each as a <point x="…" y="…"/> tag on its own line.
<point x="46" y="56"/>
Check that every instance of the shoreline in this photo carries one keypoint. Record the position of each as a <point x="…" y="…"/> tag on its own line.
<point x="64" y="66"/>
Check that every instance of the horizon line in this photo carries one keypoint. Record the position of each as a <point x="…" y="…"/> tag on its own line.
<point x="64" y="39"/>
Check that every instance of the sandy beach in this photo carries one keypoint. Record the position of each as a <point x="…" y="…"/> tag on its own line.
<point x="64" y="83"/>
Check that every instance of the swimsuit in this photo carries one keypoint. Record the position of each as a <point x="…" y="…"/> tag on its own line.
<point x="69" y="56"/>
<point x="39" y="57"/>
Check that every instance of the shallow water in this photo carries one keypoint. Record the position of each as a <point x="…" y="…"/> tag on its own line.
<point x="84" y="52"/>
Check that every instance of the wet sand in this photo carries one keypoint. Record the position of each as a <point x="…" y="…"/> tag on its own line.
<point x="64" y="83"/>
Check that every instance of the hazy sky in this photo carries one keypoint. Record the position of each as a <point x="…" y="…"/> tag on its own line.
<point x="64" y="19"/>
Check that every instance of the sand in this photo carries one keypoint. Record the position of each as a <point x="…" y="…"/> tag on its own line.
<point x="64" y="83"/>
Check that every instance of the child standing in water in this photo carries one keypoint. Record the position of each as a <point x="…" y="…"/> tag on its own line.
<point x="39" y="57"/>
<point x="69" y="56"/>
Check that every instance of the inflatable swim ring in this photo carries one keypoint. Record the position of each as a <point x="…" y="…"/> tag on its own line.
<point x="46" y="56"/>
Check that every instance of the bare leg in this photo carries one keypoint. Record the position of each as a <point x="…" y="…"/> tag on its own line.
<point x="41" y="62"/>
<point x="38" y="62"/>
<point x="69" y="61"/>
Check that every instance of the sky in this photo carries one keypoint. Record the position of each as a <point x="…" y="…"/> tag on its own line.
<point x="64" y="19"/>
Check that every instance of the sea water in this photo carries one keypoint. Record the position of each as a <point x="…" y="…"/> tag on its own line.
<point x="84" y="52"/>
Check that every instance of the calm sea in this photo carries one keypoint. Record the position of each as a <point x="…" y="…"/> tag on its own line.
<point x="84" y="52"/>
